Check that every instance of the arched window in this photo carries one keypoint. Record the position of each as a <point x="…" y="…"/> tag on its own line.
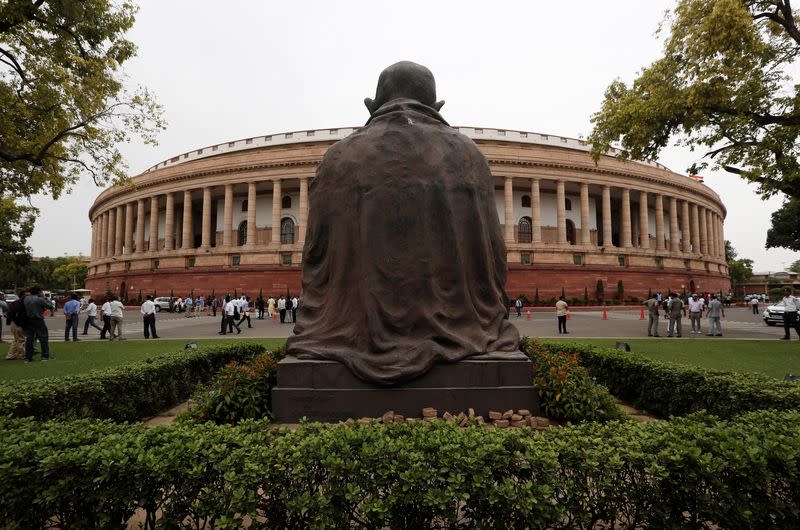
<point x="526" y="201"/>
<point x="287" y="230"/>
<point x="242" y="233"/>
<point x="570" y="231"/>
<point x="244" y="205"/>
<point x="567" y="204"/>
<point x="524" y="230"/>
<point x="286" y="202"/>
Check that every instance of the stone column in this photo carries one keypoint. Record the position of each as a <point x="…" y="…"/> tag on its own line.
<point x="252" y="235"/>
<point x="712" y="236"/>
<point x="153" y="246"/>
<point x="128" y="229"/>
<point x="685" y="225"/>
<point x="119" y="233"/>
<point x="586" y="235"/>
<point x="561" y="213"/>
<point x="508" y="209"/>
<point x="721" y="227"/>
<point x="608" y="240"/>
<point x="536" y="212"/>
<point x="140" y="226"/>
<point x="626" y="218"/>
<point x="303" y="209"/>
<point x="169" y="223"/>
<point x="205" y="241"/>
<point x="188" y="239"/>
<point x="112" y="229"/>
<point x="644" y="221"/>
<point x="660" y="245"/>
<point x="94" y="238"/>
<point x="701" y="220"/>
<point x="101" y="241"/>
<point x="276" y="212"/>
<point x="227" y="226"/>
<point x="674" y="245"/>
<point x="695" y="230"/>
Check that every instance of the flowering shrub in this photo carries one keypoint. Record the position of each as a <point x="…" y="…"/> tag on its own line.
<point x="566" y="390"/>
<point x="240" y="391"/>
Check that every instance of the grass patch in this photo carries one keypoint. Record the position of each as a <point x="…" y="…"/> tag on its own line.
<point x="770" y="357"/>
<point x="85" y="356"/>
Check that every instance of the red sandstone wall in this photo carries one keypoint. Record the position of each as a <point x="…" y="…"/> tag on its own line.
<point x="521" y="279"/>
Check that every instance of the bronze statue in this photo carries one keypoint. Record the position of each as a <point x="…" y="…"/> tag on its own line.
<point x="404" y="264"/>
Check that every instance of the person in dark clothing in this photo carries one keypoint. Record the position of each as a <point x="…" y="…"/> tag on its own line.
<point x="106" y="309"/>
<point x="35" y="306"/>
<point x="260" y="308"/>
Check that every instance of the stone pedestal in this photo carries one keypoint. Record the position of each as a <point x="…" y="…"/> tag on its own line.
<point x="328" y="391"/>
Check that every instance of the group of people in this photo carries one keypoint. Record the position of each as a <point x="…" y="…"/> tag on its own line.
<point x="25" y="318"/>
<point x="675" y="309"/>
<point x="235" y="311"/>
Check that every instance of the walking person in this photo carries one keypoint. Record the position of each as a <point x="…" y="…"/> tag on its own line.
<point x="271" y="307"/>
<point x="561" y="313"/>
<point x="71" y="310"/>
<point x="117" y="316"/>
<point x="91" y="316"/>
<point x="244" y="311"/>
<point x="148" y="311"/>
<point x="17" y="322"/>
<point x="695" y="312"/>
<point x="214" y="305"/>
<point x="106" y="310"/>
<point x="295" y="303"/>
<point x="652" y="304"/>
<point x="754" y="304"/>
<point x="36" y="328"/>
<point x="3" y="311"/>
<point x="228" y="311"/>
<point x="518" y="307"/>
<point x="189" y="303"/>
<point x="676" y="310"/>
<point x="715" y="312"/>
<point x="790" y="307"/>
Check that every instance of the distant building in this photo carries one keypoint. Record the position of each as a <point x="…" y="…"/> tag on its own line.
<point x="762" y="282"/>
<point x="233" y="216"/>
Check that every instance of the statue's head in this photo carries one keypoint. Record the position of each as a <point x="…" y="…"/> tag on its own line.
<point x="405" y="80"/>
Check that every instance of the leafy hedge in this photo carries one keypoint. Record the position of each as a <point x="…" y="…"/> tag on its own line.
<point x="122" y="393"/>
<point x="690" y="472"/>
<point x="564" y="387"/>
<point x="669" y="389"/>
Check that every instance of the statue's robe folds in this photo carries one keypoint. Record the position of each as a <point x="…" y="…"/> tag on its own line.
<point x="404" y="264"/>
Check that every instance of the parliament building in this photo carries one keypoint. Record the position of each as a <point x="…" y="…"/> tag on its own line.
<point x="232" y="217"/>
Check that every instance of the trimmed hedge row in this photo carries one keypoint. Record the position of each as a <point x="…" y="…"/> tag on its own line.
<point x="674" y="390"/>
<point x="691" y="472"/>
<point x="122" y="393"/>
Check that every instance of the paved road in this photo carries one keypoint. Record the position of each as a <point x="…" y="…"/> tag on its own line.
<point x="739" y="323"/>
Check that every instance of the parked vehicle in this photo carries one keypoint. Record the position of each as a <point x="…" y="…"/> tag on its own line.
<point x="774" y="314"/>
<point x="164" y="302"/>
<point x="11" y="297"/>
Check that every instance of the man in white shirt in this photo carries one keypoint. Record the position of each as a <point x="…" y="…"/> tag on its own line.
<point x="695" y="312"/>
<point x="790" y="307"/>
<point x="229" y="309"/>
<point x="91" y="316"/>
<point x="148" y="311"/>
<point x="754" y="304"/>
<point x="115" y="311"/>
<point x="282" y="308"/>
<point x="295" y="303"/>
<point x="106" y="309"/>
<point x="189" y="306"/>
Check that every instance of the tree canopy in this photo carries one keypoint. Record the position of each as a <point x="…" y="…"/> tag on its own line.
<point x="785" y="229"/>
<point x="65" y="106"/>
<point x="723" y="85"/>
<point x="740" y="270"/>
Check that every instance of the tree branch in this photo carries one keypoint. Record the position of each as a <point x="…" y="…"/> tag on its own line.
<point x="14" y="64"/>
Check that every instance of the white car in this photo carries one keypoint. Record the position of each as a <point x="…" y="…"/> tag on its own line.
<point x="774" y="314"/>
<point x="163" y="302"/>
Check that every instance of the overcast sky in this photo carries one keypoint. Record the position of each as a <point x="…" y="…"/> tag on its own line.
<point x="236" y="69"/>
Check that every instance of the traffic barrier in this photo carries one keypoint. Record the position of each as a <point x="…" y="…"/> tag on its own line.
<point x="641" y="316"/>
<point x="529" y="315"/>
<point x="605" y="315"/>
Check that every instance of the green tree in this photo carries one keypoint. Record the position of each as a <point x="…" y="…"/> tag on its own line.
<point x="599" y="289"/>
<point x="740" y="271"/>
<point x="71" y="275"/>
<point x="795" y="267"/>
<point x="620" y="290"/>
<point x="730" y="252"/>
<point x="15" y="229"/>
<point x="723" y="85"/>
<point x="65" y="109"/>
<point x="785" y="229"/>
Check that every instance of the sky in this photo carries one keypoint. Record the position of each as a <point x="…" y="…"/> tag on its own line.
<point x="237" y="69"/>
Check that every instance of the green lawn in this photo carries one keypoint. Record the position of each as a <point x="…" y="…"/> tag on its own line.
<point x="84" y="356"/>
<point x="771" y="357"/>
